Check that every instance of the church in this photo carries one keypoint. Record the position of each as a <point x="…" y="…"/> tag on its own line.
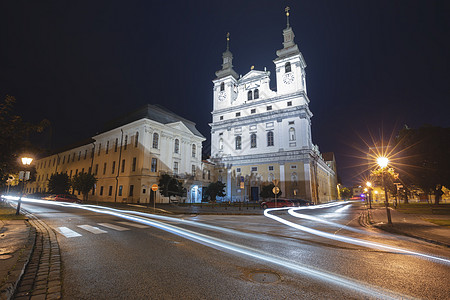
<point x="261" y="136"/>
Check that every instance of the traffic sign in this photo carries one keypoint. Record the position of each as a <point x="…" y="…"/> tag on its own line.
<point x="154" y="187"/>
<point x="276" y="190"/>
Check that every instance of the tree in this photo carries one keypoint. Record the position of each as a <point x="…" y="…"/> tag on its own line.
<point x="346" y="193"/>
<point x="14" y="134"/>
<point x="84" y="183"/>
<point x="426" y="160"/>
<point x="171" y="186"/>
<point x="59" y="183"/>
<point x="215" y="189"/>
<point x="267" y="191"/>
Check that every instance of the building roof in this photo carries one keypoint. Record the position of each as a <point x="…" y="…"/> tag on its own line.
<point x="328" y="156"/>
<point x="156" y="113"/>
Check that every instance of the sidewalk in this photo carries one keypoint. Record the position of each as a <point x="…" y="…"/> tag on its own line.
<point x="412" y="225"/>
<point x="17" y="239"/>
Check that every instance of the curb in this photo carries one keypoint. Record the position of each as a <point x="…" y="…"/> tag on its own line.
<point x="396" y="231"/>
<point x="15" y="275"/>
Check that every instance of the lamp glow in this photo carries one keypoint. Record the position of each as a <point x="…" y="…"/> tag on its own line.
<point x="26" y="160"/>
<point x="382" y="161"/>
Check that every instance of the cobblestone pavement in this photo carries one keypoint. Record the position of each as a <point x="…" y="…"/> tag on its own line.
<point x="42" y="277"/>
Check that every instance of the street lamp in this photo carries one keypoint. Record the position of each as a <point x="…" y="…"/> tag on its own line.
<point x="382" y="162"/>
<point x="26" y="161"/>
<point x="369" y="186"/>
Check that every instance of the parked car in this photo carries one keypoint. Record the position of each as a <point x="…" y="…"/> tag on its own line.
<point x="302" y="202"/>
<point x="279" y="203"/>
<point x="49" y="197"/>
<point x="67" y="198"/>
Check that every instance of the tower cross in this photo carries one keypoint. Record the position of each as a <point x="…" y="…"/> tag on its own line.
<point x="287" y="9"/>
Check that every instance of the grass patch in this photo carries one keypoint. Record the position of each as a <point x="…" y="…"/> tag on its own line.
<point x="9" y="213"/>
<point x="445" y="223"/>
<point x="424" y="209"/>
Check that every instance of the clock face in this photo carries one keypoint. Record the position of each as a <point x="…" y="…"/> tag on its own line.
<point x="222" y="95"/>
<point x="288" y="78"/>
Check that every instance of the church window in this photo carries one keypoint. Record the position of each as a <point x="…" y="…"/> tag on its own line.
<point x="270" y="168"/>
<point x="222" y="86"/>
<point x="249" y="95"/>
<point x="193" y="170"/>
<point x="238" y="170"/>
<point x="269" y="138"/>
<point x="253" y="111"/>
<point x="107" y="147"/>
<point x="154" y="165"/>
<point x="291" y="123"/>
<point x="177" y="146"/>
<point x="238" y="142"/>
<point x="253" y="140"/>
<point x="155" y="140"/>
<point x="221" y="144"/>
<point x="194" y="150"/>
<point x="221" y="118"/>
<point x="269" y="107"/>
<point x="256" y="94"/>
<point x="133" y="166"/>
<point x="175" y="167"/>
<point x="292" y="134"/>
<point x="254" y="169"/>
<point x="289" y="103"/>
<point x="85" y="155"/>
<point x="209" y="175"/>
<point x="126" y="142"/>
<point x="115" y="145"/>
<point x="238" y="114"/>
<point x="287" y="67"/>
<point x="136" y="139"/>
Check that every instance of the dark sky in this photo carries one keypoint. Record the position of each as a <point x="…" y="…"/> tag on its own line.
<point x="373" y="65"/>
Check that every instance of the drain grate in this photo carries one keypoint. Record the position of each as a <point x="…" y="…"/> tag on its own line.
<point x="264" y="276"/>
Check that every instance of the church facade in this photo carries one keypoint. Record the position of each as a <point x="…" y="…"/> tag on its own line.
<point x="260" y="136"/>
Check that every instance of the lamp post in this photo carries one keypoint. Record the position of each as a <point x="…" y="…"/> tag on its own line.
<point x="369" y="186"/>
<point x="382" y="162"/>
<point x="26" y="161"/>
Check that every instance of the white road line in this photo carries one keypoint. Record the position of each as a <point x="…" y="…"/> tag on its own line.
<point x="92" y="229"/>
<point x="68" y="233"/>
<point x="115" y="227"/>
<point x="133" y="224"/>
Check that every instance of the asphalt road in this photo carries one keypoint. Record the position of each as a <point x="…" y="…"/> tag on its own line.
<point x="238" y="257"/>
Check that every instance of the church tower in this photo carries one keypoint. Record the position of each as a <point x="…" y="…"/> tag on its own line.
<point x="225" y="85"/>
<point x="290" y="65"/>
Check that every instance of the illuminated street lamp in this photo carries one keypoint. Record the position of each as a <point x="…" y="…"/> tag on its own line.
<point x="24" y="175"/>
<point x="383" y="162"/>
<point x="369" y="186"/>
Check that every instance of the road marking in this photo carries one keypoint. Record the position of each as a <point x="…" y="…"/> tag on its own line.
<point x="115" y="227"/>
<point x="134" y="224"/>
<point x="92" y="229"/>
<point x="68" y="233"/>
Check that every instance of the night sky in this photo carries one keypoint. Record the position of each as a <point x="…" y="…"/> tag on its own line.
<point x="372" y="65"/>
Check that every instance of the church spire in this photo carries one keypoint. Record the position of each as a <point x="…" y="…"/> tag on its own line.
<point x="227" y="64"/>
<point x="289" y="46"/>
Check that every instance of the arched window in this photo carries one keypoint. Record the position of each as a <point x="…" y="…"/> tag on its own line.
<point x="269" y="138"/>
<point x="253" y="140"/>
<point x="222" y="86"/>
<point x="238" y="142"/>
<point x="249" y="95"/>
<point x="155" y="140"/>
<point x="177" y="146"/>
<point x="221" y="144"/>
<point x="194" y="150"/>
<point x="287" y="67"/>
<point x="126" y="142"/>
<point x="292" y="134"/>
<point x="136" y="139"/>
<point x="256" y="94"/>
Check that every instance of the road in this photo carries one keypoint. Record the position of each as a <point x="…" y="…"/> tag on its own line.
<point x="110" y="255"/>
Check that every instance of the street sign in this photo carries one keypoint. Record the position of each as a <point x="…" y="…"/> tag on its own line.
<point x="154" y="187"/>
<point x="276" y="190"/>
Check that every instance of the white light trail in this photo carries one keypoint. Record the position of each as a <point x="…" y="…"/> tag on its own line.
<point x="330" y="278"/>
<point x="349" y="240"/>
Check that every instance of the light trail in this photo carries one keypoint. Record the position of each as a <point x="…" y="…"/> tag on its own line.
<point x="354" y="241"/>
<point x="330" y="278"/>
